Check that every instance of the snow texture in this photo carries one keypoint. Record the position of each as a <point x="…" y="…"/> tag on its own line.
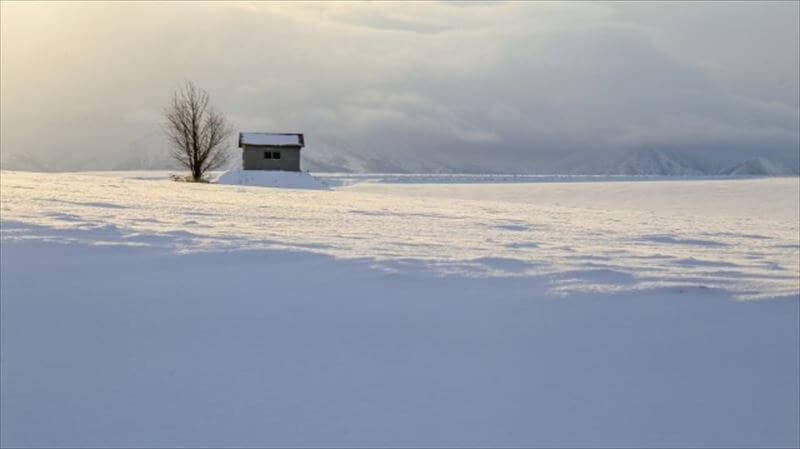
<point x="141" y="312"/>
<point x="270" y="139"/>
<point x="270" y="178"/>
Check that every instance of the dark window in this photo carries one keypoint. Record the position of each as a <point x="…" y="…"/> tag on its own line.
<point x="267" y="155"/>
<point x="276" y="155"/>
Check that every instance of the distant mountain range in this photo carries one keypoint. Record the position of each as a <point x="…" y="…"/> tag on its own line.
<point x="759" y="166"/>
<point x="655" y="162"/>
<point x="647" y="161"/>
<point x="672" y="163"/>
<point x="149" y="153"/>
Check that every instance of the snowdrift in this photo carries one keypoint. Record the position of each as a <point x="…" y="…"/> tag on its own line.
<point x="261" y="178"/>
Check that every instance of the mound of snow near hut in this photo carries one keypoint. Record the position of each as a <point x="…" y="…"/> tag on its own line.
<point x="264" y="178"/>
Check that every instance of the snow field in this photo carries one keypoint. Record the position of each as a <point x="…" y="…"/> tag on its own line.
<point x="736" y="236"/>
<point x="140" y="312"/>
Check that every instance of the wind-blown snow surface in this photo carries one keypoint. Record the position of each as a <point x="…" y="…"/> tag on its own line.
<point x="144" y="312"/>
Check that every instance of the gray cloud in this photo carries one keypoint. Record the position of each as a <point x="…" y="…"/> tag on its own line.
<point x="515" y="87"/>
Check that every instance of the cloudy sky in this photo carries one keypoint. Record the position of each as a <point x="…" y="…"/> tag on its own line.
<point x="508" y="87"/>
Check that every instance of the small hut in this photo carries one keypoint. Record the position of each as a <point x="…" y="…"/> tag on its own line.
<point x="271" y="151"/>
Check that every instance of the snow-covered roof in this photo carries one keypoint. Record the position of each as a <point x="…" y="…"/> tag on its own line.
<point x="272" y="139"/>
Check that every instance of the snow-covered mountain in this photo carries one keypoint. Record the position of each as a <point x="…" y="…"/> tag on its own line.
<point x="758" y="166"/>
<point x="644" y="162"/>
<point x="661" y="162"/>
<point x="656" y="162"/>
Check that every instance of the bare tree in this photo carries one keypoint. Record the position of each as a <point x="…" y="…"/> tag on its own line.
<point x="197" y="133"/>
